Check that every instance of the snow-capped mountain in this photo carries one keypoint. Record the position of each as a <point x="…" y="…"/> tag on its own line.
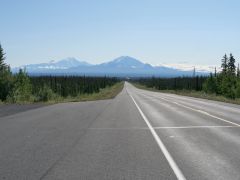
<point x="71" y="62"/>
<point x="125" y="62"/>
<point x="122" y="66"/>
<point x="62" y="64"/>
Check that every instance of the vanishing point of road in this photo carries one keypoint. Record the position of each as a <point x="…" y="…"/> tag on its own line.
<point x="137" y="135"/>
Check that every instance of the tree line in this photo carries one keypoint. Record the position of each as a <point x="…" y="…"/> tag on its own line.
<point x="178" y="83"/>
<point x="73" y="86"/>
<point x="225" y="83"/>
<point x="20" y="87"/>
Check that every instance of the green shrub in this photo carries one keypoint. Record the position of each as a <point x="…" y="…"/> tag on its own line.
<point x="22" y="89"/>
<point x="228" y="86"/>
<point x="210" y="85"/>
<point x="45" y="94"/>
<point x="237" y="92"/>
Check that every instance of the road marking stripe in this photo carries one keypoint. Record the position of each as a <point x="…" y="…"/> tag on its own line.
<point x="131" y="128"/>
<point x="167" y="155"/>
<point x="192" y="127"/>
<point x="164" y="127"/>
<point x="202" y="112"/>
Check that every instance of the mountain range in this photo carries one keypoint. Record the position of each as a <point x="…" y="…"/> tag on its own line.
<point x="123" y="66"/>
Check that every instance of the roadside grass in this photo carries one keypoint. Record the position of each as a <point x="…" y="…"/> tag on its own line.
<point x="106" y="93"/>
<point x="196" y="94"/>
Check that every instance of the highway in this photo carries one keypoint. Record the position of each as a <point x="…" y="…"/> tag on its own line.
<point x="137" y="135"/>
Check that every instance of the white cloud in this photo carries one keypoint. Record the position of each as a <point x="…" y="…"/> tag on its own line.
<point x="189" y="67"/>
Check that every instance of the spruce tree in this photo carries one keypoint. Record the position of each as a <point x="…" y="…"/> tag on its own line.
<point x="224" y="64"/>
<point x="231" y="65"/>
<point x="2" y="58"/>
<point x="5" y="77"/>
<point x="238" y="71"/>
<point x="194" y="71"/>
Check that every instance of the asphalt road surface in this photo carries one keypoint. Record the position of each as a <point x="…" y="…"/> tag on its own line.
<point x="138" y="135"/>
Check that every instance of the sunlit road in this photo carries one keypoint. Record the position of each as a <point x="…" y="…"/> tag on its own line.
<point x="138" y="135"/>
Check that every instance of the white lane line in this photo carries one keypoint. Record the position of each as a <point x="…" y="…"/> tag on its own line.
<point x="164" y="127"/>
<point x="193" y="127"/>
<point x="202" y="112"/>
<point x="167" y="155"/>
<point x="131" y="128"/>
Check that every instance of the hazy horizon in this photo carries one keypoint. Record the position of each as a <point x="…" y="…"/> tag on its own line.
<point x="185" y="66"/>
<point x="156" y="32"/>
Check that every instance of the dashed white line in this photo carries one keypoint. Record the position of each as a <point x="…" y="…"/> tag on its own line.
<point x="202" y="112"/>
<point x="163" y="148"/>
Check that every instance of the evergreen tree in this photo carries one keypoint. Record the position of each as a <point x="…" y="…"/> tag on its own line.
<point x="224" y="64"/>
<point x="231" y="65"/>
<point x="238" y="71"/>
<point x="2" y="58"/>
<point x="5" y="77"/>
<point x="194" y="71"/>
<point x="228" y="86"/>
<point x="210" y="85"/>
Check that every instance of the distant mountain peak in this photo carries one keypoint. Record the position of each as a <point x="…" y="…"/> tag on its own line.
<point x="72" y="62"/>
<point x="66" y="63"/>
<point x="121" y="66"/>
<point x="124" y="62"/>
<point x="125" y="59"/>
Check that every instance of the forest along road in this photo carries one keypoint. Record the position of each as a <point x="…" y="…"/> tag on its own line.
<point x="137" y="135"/>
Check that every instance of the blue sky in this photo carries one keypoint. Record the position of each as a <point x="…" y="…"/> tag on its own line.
<point x="154" y="31"/>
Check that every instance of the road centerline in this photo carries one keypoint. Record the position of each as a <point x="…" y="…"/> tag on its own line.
<point x="163" y="148"/>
